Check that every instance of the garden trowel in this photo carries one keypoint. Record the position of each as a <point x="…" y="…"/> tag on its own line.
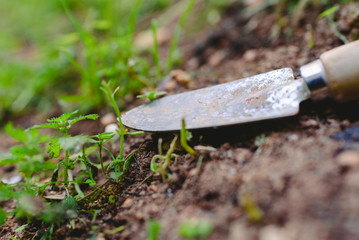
<point x="274" y="94"/>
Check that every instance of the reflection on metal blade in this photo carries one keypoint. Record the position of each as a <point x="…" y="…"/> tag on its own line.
<point x="269" y="95"/>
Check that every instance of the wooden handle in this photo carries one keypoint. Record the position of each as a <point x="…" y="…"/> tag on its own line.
<point x="341" y="66"/>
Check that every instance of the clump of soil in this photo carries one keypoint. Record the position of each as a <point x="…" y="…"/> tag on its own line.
<point x="301" y="172"/>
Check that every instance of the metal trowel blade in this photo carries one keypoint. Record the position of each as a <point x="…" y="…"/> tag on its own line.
<point x="274" y="94"/>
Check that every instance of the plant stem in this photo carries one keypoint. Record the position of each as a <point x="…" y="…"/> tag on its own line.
<point x="100" y="157"/>
<point x="85" y="162"/>
<point x="66" y="167"/>
<point x="184" y="140"/>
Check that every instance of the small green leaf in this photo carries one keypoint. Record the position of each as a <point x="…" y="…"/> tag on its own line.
<point x="153" y="229"/>
<point x="105" y="135"/>
<point x="91" y="182"/>
<point x="137" y="133"/>
<point x="111" y="199"/>
<point x="195" y="228"/>
<point x="2" y="216"/>
<point x="19" y="229"/>
<point x="77" y="119"/>
<point x="8" y="161"/>
<point x="70" y="202"/>
<point x="54" y="148"/>
<point x="116" y="230"/>
<point x="329" y="11"/>
<point x="152" y="95"/>
<point x="116" y="175"/>
<point x="45" y="125"/>
<point x="63" y="118"/>
<point x="18" y="134"/>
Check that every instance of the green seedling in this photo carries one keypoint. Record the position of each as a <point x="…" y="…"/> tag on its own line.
<point x="254" y="213"/>
<point x="195" y="228"/>
<point x="186" y="136"/>
<point x="62" y="124"/>
<point x="28" y="155"/>
<point x="329" y="14"/>
<point x="160" y="162"/>
<point x="152" y="95"/>
<point x="120" y="163"/>
<point x="22" y="227"/>
<point x="116" y="230"/>
<point x="153" y="229"/>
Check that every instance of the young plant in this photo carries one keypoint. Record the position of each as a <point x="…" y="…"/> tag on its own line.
<point x="62" y="124"/>
<point x="186" y="136"/>
<point x="120" y="163"/>
<point x="160" y="162"/>
<point x="27" y="155"/>
<point x="195" y="228"/>
<point x="152" y="95"/>
<point x="329" y="14"/>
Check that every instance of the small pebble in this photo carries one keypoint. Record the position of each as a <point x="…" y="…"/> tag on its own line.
<point x="127" y="203"/>
<point x="216" y="58"/>
<point x="310" y="123"/>
<point x="169" y="193"/>
<point x="250" y="55"/>
<point x="153" y="188"/>
<point x="170" y="86"/>
<point x="348" y="159"/>
<point x="181" y="77"/>
<point x="193" y="172"/>
<point x="108" y="119"/>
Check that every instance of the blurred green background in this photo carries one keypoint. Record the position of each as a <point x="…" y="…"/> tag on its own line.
<point x="55" y="54"/>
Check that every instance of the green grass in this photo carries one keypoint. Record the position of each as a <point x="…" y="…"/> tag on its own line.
<point x="60" y="51"/>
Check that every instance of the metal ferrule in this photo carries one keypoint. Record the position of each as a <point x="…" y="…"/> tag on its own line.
<point x="314" y="75"/>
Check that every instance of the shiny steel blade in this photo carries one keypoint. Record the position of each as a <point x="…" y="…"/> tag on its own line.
<point x="265" y="96"/>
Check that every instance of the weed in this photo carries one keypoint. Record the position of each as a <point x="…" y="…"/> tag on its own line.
<point x="120" y="163"/>
<point x="62" y="124"/>
<point x="153" y="229"/>
<point x="116" y="230"/>
<point x="27" y="155"/>
<point x="160" y="162"/>
<point x="195" y="228"/>
<point x="329" y="14"/>
<point x="186" y="136"/>
<point x="153" y="95"/>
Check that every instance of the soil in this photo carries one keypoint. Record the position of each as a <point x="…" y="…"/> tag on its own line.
<point x="301" y="173"/>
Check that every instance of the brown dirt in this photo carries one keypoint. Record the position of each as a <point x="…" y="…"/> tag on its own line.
<point x="304" y="181"/>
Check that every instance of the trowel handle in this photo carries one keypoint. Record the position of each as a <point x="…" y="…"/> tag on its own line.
<point x="338" y="70"/>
